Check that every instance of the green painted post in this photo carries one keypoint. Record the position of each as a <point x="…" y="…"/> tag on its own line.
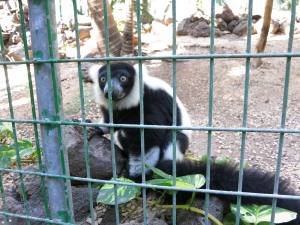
<point x="50" y="104"/>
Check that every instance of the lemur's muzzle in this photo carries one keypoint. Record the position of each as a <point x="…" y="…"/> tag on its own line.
<point x="117" y="91"/>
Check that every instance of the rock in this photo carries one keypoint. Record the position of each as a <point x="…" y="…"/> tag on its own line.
<point x="227" y="14"/>
<point x="221" y="24"/>
<point x="99" y="154"/>
<point x="35" y="203"/>
<point x="232" y="25"/>
<point x="200" y="16"/>
<point x="189" y="25"/>
<point x="219" y="33"/>
<point x="241" y="28"/>
<point x="201" y="30"/>
<point x="109" y="217"/>
<point x="182" y="27"/>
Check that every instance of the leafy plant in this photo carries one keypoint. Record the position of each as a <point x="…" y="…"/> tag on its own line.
<point x="189" y="181"/>
<point x="8" y="152"/>
<point x="249" y="214"/>
<point x="259" y="215"/>
<point x="125" y="193"/>
<point x="6" y="133"/>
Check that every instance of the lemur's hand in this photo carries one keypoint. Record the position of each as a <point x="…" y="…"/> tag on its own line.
<point x="92" y="130"/>
<point x="98" y="130"/>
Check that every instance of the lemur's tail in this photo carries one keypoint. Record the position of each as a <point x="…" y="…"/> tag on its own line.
<point x="225" y="177"/>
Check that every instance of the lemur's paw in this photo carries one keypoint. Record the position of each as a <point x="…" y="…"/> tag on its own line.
<point x="80" y="120"/>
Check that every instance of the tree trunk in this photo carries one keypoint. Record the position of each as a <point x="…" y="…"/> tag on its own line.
<point x="97" y="15"/>
<point x="127" y="45"/>
<point x="261" y="44"/>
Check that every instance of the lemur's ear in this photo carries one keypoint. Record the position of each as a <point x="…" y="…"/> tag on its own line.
<point x="92" y="74"/>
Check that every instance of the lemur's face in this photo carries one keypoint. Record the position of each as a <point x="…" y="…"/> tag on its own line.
<point x="122" y="80"/>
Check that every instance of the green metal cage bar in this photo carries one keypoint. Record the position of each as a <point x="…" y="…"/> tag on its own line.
<point x="284" y="107"/>
<point x="211" y="191"/>
<point x="196" y="128"/>
<point x="82" y="109"/>
<point x="163" y="57"/>
<point x="110" y="109"/>
<point x="209" y="128"/>
<point x="174" y="111"/>
<point x="44" y="46"/>
<point x="245" y="111"/>
<point x="142" y="130"/>
<point x="15" y="138"/>
<point x="210" y="107"/>
<point x="33" y="110"/>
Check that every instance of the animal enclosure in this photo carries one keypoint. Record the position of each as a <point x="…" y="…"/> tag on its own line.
<point x="54" y="168"/>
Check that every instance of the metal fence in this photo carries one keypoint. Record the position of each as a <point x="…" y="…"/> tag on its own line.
<point x="56" y="180"/>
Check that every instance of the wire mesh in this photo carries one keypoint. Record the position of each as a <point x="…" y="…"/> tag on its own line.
<point x="58" y="122"/>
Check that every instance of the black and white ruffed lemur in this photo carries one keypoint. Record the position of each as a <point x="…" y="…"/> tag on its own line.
<point x="158" y="107"/>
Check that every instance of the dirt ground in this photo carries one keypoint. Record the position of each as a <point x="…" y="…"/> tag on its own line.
<point x="264" y="109"/>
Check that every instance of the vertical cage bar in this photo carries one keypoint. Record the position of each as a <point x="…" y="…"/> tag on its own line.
<point x="284" y="107"/>
<point x="33" y="110"/>
<point x="245" y="111"/>
<point x="15" y="138"/>
<point x="82" y="109"/>
<point x="142" y="130"/>
<point x="210" y="107"/>
<point x="110" y="109"/>
<point x="52" y="37"/>
<point x="50" y="105"/>
<point x="174" y="131"/>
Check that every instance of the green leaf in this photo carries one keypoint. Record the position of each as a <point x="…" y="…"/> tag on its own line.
<point x="8" y="152"/>
<point x="158" y="172"/>
<point x="5" y="131"/>
<point x="25" y="149"/>
<point x="125" y="193"/>
<point x="196" y="180"/>
<point x="189" y="181"/>
<point x="262" y="213"/>
<point x="5" y="161"/>
<point x="168" y="182"/>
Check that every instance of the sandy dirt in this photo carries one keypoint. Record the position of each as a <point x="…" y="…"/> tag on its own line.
<point x="264" y="108"/>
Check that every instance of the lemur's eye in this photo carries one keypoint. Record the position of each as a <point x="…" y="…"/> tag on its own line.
<point x="123" y="78"/>
<point x="102" y="79"/>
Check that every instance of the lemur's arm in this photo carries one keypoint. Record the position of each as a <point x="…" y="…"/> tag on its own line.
<point x="104" y="119"/>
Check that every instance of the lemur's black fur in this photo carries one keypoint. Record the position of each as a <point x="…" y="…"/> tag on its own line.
<point x="158" y="103"/>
